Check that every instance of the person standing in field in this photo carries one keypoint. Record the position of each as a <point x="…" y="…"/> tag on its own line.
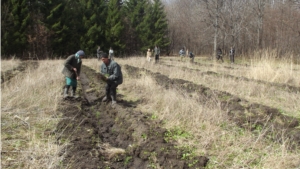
<point x="181" y="54"/>
<point x="219" y="54"/>
<point x="231" y="53"/>
<point x="187" y="53"/>
<point x="149" y="53"/>
<point x="156" y="53"/>
<point x="71" y="70"/>
<point x="192" y="56"/>
<point x="110" y="73"/>
<point x="111" y="53"/>
<point x="98" y="52"/>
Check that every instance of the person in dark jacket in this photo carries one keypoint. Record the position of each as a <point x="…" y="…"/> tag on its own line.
<point x="71" y="70"/>
<point x="112" y="75"/>
<point x="192" y="56"/>
<point x="219" y="54"/>
<point x="156" y="53"/>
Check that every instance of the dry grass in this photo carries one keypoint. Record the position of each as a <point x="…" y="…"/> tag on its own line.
<point x="213" y="134"/>
<point x="285" y="100"/>
<point x="29" y="114"/>
<point x="28" y="110"/>
<point x="9" y="64"/>
<point x="263" y="65"/>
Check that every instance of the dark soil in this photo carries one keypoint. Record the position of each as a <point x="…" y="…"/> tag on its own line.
<point x="250" y="116"/>
<point x="95" y="135"/>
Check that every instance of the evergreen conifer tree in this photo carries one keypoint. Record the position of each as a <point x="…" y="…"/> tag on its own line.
<point x="135" y="11"/>
<point x="93" y="19"/>
<point x="160" y="27"/>
<point x="115" y="26"/>
<point x="56" y="23"/>
<point x="14" y="31"/>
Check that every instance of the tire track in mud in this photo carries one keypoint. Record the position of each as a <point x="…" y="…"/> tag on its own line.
<point x="9" y="74"/>
<point x="242" y="112"/>
<point x="93" y="135"/>
<point x="287" y="87"/>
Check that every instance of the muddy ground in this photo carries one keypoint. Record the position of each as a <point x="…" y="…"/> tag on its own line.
<point x="247" y="115"/>
<point x="95" y="135"/>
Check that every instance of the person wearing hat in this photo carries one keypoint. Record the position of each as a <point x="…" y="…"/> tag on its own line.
<point x="71" y="70"/>
<point x="112" y="75"/>
<point x="149" y="55"/>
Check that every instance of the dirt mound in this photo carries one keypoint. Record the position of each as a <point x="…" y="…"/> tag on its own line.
<point x="251" y="116"/>
<point x="7" y="75"/>
<point x="93" y="135"/>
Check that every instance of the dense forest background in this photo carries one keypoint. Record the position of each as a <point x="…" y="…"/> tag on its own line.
<point x="55" y="28"/>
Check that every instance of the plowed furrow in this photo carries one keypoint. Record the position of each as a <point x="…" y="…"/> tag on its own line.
<point x="244" y="113"/>
<point x="93" y="135"/>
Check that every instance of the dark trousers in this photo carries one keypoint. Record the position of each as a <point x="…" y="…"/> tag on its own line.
<point x="232" y="58"/>
<point x="111" y="89"/>
<point x="220" y="57"/>
<point x="156" y="58"/>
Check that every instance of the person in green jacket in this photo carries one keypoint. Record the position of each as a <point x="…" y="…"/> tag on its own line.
<point x="71" y="70"/>
<point x="112" y="75"/>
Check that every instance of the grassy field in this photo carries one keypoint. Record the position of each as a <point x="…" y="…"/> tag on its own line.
<point x="29" y="110"/>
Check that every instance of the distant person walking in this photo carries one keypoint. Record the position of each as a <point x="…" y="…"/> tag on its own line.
<point x="149" y="53"/>
<point x="219" y="54"/>
<point x="99" y="52"/>
<point x="156" y="53"/>
<point x="181" y="54"/>
<point x="71" y="70"/>
<point x="112" y="75"/>
<point x="231" y="53"/>
<point x="192" y="56"/>
<point x="111" y="53"/>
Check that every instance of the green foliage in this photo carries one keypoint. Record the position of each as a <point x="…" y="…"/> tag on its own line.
<point x="58" y="24"/>
<point x="135" y="12"/>
<point x="127" y="160"/>
<point x="61" y="27"/>
<point x="175" y="134"/>
<point x="14" y="27"/>
<point x="115" y="26"/>
<point x="160" y="25"/>
<point x="93" y="19"/>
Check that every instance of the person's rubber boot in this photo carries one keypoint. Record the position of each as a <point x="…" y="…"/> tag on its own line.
<point x="113" y="101"/>
<point x="73" y="93"/>
<point x="66" y="90"/>
<point x="105" y="99"/>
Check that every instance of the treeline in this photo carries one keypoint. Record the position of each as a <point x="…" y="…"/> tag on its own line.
<point x="55" y="28"/>
<point x="249" y="25"/>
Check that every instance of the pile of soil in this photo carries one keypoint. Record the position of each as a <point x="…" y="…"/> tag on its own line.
<point x="7" y="75"/>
